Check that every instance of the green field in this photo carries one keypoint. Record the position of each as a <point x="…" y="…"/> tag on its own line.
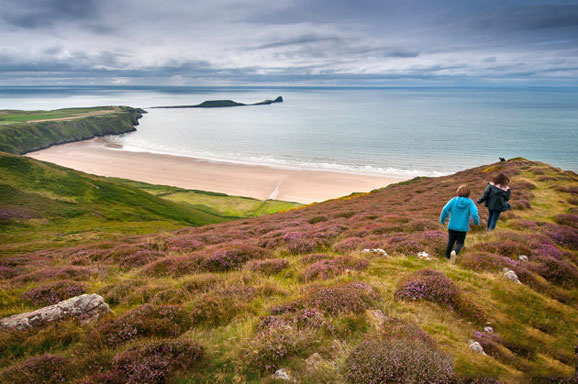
<point x="15" y="116"/>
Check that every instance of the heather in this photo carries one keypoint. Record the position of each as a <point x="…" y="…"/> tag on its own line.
<point x="332" y="292"/>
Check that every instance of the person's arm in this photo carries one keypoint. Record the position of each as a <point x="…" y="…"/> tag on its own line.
<point x="508" y="194"/>
<point x="446" y="211"/>
<point x="485" y="195"/>
<point x="474" y="213"/>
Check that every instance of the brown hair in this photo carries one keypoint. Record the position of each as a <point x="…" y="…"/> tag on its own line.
<point x="463" y="191"/>
<point x="501" y="179"/>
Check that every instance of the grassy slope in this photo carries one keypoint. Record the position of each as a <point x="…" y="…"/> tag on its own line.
<point x="537" y="319"/>
<point x="25" y="131"/>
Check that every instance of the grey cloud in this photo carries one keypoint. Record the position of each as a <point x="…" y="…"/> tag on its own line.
<point x="33" y="14"/>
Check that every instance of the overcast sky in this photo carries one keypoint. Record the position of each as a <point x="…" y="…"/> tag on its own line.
<point x="289" y="42"/>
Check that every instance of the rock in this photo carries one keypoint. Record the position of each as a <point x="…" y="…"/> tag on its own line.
<point x="313" y="361"/>
<point x="85" y="307"/>
<point x="511" y="275"/>
<point x="376" y="317"/>
<point x="423" y="256"/>
<point x="375" y="251"/>
<point x="523" y="258"/>
<point x="476" y="347"/>
<point x="488" y="329"/>
<point x="282" y="374"/>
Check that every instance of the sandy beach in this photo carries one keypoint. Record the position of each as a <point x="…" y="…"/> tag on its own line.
<point x="100" y="157"/>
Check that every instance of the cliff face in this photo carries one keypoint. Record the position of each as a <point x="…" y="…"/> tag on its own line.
<point x="23" y="137"/>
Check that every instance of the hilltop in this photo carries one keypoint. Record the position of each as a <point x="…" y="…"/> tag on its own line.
<point x="330" y="293"/>
<point x="223" y="104"/>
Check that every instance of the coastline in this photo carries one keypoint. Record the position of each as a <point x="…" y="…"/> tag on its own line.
<point x="101" y="157"/>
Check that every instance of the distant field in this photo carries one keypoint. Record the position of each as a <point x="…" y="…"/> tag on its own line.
<point x="12" y="116"/>
<point x="216" y="203"/>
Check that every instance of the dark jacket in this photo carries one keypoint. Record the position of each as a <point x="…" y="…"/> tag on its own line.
<point x="495" y="198"/>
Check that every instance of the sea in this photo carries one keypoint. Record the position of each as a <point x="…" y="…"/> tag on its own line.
<point x="403" y="132"/>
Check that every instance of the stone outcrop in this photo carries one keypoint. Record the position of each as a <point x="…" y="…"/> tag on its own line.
<point x="85" y="307"/>
<point x="511" y="275"/>
<point x="223" y="104"/>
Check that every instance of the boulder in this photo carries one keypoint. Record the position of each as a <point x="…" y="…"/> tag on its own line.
<point x="282" y="374"/>
<point x="423" y="255"/>
<point x="488" y="329"/>
<point x="511" y="275"/>
<point x="376" y="317"/>
<point x="476" y="347"/>
<point x="85" y="308"/>
<point x="375" y="251"/>
<point x="313" y="361"/>
<point x="523" y="258"/>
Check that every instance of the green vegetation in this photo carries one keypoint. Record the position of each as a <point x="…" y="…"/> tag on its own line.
<point x="308" y="290"/>
<point x="26" y="131"/>
<point x="44" y="206"/>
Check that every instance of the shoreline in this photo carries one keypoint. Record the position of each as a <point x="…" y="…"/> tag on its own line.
<point x="103" y="158"/>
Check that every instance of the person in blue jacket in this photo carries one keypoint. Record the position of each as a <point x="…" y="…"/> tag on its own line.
<point x="459" y="209"/>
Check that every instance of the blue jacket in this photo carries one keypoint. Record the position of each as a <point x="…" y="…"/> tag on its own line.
<point x="459" y="210"/>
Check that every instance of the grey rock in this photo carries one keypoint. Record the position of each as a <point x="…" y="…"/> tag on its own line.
<point x="376" y="317"/>
<point x="476" y="347"/>
<point x="488" y="329"/>
<point x="85" y="308"/>
<point x="511" y="275"/>
<point x="282" y="374"/>
<point x="313" y="361"/>
<point x="523" y="258"/>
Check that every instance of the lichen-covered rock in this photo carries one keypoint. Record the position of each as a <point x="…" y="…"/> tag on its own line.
<point x="476" y="347"/>
<point x="511" y="275"/>
<point x="85" y="307"/>
<point x="523" y="258"/>
<point x="282" y="374"/>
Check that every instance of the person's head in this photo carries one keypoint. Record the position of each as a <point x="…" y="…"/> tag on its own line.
<point x="463" y="191"/>
<point x="501" y="179"/>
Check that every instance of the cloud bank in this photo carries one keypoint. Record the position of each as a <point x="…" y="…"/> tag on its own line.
<point x="289" y="42"/>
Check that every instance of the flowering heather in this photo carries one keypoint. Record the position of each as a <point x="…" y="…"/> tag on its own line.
<point x="483" y="261"/>
<point x="563" y="235"/>
<point x="347" y="245"/>
<point x="545" y="251"/>
<point x="271" y="345"/>
<point x="268" y="266"/>
<point x="326" y="269"/>
<point x="314" y="257"/>
<point x="153" y="363"/>
<point x="117" y="293"/>
<point x="46" y="369"/>
<point x="398" y="361"/>
<point x="428" y="285"/>
<point x="560" y="272"/>
<point x="329" y="232"/>
<point x="137" y="258"/>
<point x="350" y="297"/>
<point x="300" y="319"/>
<point x="299" y="242"/>
<point x="403" y="245"/>
<point x="173" y="266"/>
<point x="184" y="244"/>
<point x="317" y="219"/>
<point x="53" y="273"/>
<point x="394" y="328"/>
<point x="493" y="345"/>
<point x="567" y="219"/>
<point x="7" y="272"/>
<point x="143" y="321"/>
<point x="52" y="293"/>
<point x="506" y="247"/>
<point x="231" y="258"/>
<point x="520" y="204"/>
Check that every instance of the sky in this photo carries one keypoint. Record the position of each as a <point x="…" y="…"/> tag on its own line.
<point x="289" y="42"/>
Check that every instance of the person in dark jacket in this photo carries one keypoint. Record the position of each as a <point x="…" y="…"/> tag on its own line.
<point x="495" y="198"/>
<point x="459" y="209"/>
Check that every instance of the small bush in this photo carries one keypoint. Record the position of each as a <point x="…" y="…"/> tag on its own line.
<point x="428" y="285"/>
<point x="234" y="257"/>
<point x="153" y="363"/>
<point x="398" y="361"/>
<point x="52" y="293"/>
<point x="314" y="257"/>
<point x="143" y="321"/>
<point x="173" y="266"/>
<point x="347" y="245"/>
<point x="403" y="245"/>
<point x="299" y="242"/>
<point x="350" y="297"/>
<point x="482" y="261"/>
<point x="563" y="235"/>
<point x="268" y="266"/>
<point x="184" y="244"/>
<point x="560" y="272"/>
<point x="53" y="273"/>
<point x="317" y="219"/>
<point x="44" y="369"/>
<point x="326" y="269"/>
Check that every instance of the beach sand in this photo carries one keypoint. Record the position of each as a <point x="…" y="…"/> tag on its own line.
<point x="100" y="157"/>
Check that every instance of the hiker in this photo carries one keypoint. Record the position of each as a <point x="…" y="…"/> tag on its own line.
<point x="495" y="198"/>
<point x="459" y="209"/>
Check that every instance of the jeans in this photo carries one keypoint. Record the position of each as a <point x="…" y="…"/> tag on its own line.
<point x="493" y="216"/>
<point x="458" y="237"/>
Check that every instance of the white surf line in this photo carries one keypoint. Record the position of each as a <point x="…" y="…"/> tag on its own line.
<point x="275" y="192"/>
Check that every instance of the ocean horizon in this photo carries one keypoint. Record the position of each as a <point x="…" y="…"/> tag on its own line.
<point x="401" y="131"/>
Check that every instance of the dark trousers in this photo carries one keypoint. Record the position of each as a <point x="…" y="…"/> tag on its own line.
<point x="493" y="216"/>
<point x="458" y="237"/>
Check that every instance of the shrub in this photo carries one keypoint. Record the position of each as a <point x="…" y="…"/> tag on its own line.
<point x="483" y="261"/>
<point x="398" y="361"/>
<point x="493" y="345"/>
<point x="428" y="285"/>
<point x="350" y="297"/>
<point x="317" y="219"/>
<point x="403" y="245"/>
<point x="314" y="257"/>
<point x="52" y="293"/>
<point x="299" y="242"/>
<point x="326" y="269"/>
<point x="560" y="272"/>
<point x="138" y="258"/>
<point x="153" y="363"/>
<point x="143" y="321"/>
<point x="394" y="328"/>
<point x="347" y="245"/>
<point x="117" y="293"/>
<point x="268" y="266"/>
<point x="45" y="369"/>
<point x="53" y="273"/>
<point x="272" y="345"/>
<point x="234" y="257"/>
<point x="214" y="310"/>
<point x="184" y="244"/>
<point x="508" y="247"/>
<point x="7" y="272"/>
<point x="563" y="235"/>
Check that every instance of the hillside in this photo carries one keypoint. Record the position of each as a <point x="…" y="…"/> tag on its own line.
<point x="26" y="131"/>
<point x="43" y="205"/>
<point x="236" y="301"/>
